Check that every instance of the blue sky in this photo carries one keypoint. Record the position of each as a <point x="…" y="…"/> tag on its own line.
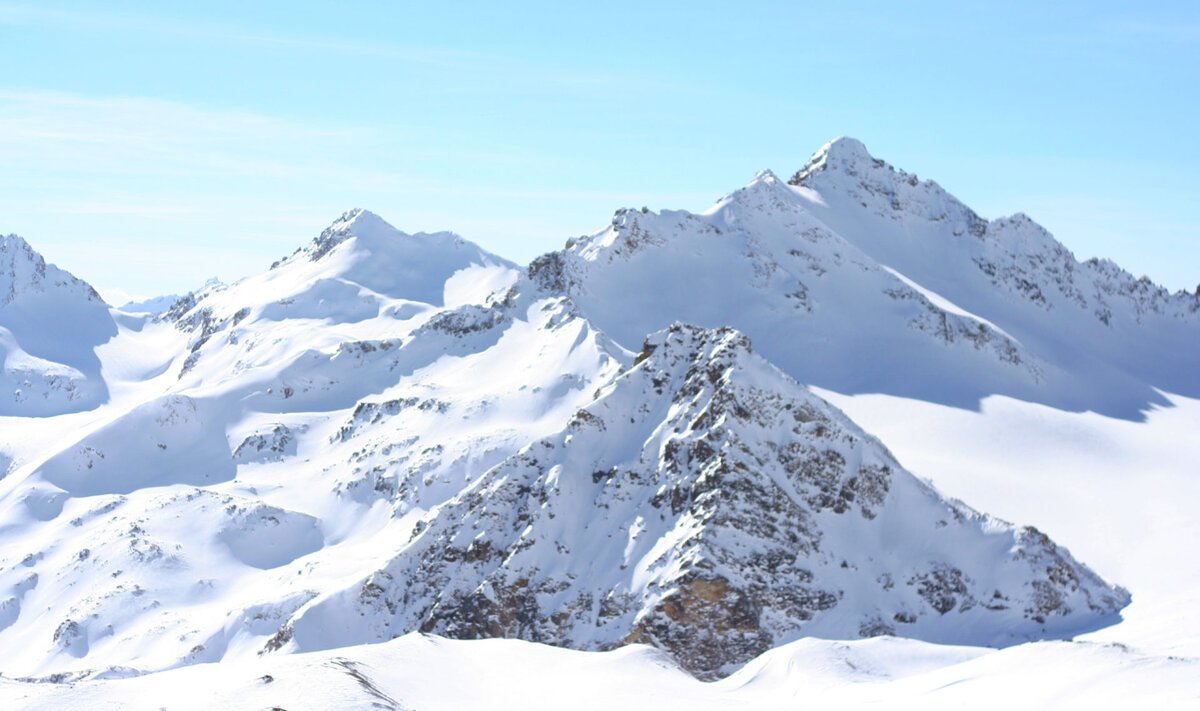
<point x="147" y="146"/>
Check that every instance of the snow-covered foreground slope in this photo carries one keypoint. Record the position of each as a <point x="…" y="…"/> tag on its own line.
<point x="386" y="433"/>
<point x="430" y="673"/>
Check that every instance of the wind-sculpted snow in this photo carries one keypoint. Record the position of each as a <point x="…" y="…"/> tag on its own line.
<point x="708" y="505"/>
<point x="147" y="559"/>
<point x="50" y="325"/>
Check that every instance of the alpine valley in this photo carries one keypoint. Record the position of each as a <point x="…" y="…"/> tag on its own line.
<point x="743" y="458"/>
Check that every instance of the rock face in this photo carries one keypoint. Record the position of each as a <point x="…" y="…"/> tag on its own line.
<point x="708" y="505"/>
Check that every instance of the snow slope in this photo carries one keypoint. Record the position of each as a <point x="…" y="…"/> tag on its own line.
<point x="430" y="673"/>
<point x="1119" y="493"/>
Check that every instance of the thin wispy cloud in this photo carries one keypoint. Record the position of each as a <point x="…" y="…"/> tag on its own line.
<point x="472" y="72"/>
<point x="20" y="14"/>
<point x="74" y="135"/>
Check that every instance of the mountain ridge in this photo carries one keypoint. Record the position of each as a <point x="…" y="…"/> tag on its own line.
<point x="388" y="432"/>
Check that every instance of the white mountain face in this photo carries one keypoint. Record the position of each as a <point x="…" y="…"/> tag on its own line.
<point x="50" y="324"/>
<point x="860" y="278"/>
<point x="1107" y="340"/>
<point x="387" y="433"/>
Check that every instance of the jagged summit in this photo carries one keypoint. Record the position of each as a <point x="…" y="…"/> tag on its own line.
<point x="24" y="271"/>
<point x="845" y="166"/>
<point x="1092" y="321"/>
<point x="372" y="232"/>
<point x="857" y="260"/>
<point x="842" y="154"/>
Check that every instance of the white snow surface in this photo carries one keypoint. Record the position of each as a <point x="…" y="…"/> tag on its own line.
<point x="236" y="503"/>
<point x="427" y="672"/>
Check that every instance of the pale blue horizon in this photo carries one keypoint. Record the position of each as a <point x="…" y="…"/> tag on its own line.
<point x="147" y="148"/>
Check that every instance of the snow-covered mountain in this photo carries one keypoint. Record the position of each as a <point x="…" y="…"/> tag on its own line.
<point x="860" y="278"/>
<point x="293" y="421"/>
<point x="708" y="505"/>
<point x="385" y="433"/>
<point x="50" y="325"/>
<point x="1109" y="340"/>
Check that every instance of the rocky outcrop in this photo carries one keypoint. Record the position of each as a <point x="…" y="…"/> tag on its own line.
<point x="710" y="506"/>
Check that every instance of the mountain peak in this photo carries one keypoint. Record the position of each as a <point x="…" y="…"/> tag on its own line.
<point x="846" y="147"/>
<point x="765" y="176"/>
<point x="14" y="249"/>
<point x="844" y="166"/>
<point x="13" y="242"/>
<point x="23" y="269"/>
<point x="686" y="342"/>
<point x="358" y="219"/>
<point x="843" y="155"/>
<point x="353" y="223"/>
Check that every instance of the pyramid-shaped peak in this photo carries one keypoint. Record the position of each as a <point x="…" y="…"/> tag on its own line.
<point x="23" y="270"/>
<point x="352" y="223"/>
<point x="841" y="155"/>
<point x="14" y="248"/>
<point x="765" y="176"/>
<point x="360" y="220"/>
<point x="372" y="230"/>
<point x="760" y="514"/>
<point x="846" y="148"/>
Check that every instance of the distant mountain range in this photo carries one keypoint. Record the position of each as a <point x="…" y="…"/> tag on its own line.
<point x="388" y="432"/>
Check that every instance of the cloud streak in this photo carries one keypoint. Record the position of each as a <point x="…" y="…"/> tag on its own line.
<point x="26" y="15"/>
